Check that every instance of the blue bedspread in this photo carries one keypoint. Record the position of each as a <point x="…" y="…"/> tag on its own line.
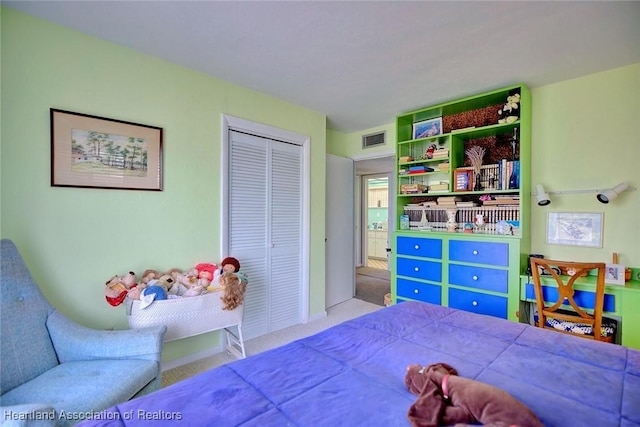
<point x="352" y="375"/>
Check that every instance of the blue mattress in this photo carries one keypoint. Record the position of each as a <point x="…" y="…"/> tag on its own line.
<point x="352" y="375"/>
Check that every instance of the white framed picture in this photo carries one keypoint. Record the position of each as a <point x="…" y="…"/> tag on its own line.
<point x="614" y="274"/>
<point x="575" y="229"/>
<point x="427" y="128"/>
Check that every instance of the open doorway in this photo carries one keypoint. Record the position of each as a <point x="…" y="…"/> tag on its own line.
<point x="374" y="227"/>
<point x="376" y="212"/>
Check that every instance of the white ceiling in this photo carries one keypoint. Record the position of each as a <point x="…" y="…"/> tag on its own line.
<point x="362" y="62"/>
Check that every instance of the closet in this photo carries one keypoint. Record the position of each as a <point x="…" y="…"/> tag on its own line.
<point x="265" y="185"/>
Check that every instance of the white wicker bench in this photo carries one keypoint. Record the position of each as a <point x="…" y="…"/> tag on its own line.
<point x="186" y="317"/>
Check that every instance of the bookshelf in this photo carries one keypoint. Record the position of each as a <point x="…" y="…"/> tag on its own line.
<point x="465" y="212"/>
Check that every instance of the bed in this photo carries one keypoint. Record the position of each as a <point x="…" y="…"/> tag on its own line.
<point x="352" y="375"/>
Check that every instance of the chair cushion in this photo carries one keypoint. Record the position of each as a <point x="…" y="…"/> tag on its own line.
<point x="608" y="328"/>
<point x="78" y="387"/>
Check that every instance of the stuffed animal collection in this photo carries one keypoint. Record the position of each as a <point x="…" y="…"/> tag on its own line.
<point x="444" y="398"/>
<point x="175" y="283"/>
<point x="510" y="111"/>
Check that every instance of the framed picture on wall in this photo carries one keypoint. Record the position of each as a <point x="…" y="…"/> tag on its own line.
<point x="427" y="128"/>
<point x="97" y="152"/>
<point x="575" y="229"/>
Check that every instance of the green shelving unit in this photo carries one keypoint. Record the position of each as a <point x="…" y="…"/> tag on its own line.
<point x="475" y="264"/>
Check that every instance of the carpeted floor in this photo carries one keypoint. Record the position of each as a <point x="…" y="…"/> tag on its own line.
<point x="337" y="314"/>
<point x="372" y="284"/>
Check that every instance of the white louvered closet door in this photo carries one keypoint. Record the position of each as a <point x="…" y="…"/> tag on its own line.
<point x="265" y="229"/>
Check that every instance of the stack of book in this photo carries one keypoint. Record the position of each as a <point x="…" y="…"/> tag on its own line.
<point x="442" y="186"/>
<point x="448" y="201"/>
<point x="443" y="167"/>
<point x="442" y="153"/>
<point x="419" y="169"/>
<point x="503" y="200"/>
<point x="466" y="204"/>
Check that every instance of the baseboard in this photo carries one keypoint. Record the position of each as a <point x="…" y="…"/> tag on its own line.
<point x="317" y="316"/>
<point x="165" y="366"/>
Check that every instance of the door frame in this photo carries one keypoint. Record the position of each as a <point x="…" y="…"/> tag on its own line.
<point x="235" y="123"/>
<point x="360" y="234"/>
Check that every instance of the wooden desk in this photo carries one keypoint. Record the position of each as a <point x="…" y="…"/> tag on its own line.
<point x="620" y="301"/>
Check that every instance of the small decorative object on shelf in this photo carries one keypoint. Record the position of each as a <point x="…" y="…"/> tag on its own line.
<point x="476" y="154"/>
<point x="451" y="220"/>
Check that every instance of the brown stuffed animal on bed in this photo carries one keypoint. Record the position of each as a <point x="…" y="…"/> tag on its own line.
<point x="444" y="398"/>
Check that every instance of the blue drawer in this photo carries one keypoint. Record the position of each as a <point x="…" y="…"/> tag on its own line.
<point x="420" y="269"/>
<point x="419" y="291"/>
<point x="476" y="302"/>
<point x="479" y="252"/>
<point x="584" y="299"/>
<point x="489" y="279"/>
<point x="419" y="246"/>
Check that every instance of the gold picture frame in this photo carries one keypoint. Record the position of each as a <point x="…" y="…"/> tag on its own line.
<point x="98" y="152"/>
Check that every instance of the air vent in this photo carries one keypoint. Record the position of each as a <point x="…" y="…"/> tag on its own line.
<point x="373" y="139"/>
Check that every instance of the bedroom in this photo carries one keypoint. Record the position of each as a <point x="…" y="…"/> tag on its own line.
<point x="71" y="230"/>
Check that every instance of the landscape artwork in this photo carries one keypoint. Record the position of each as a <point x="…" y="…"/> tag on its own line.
<point x="97" y="152"/>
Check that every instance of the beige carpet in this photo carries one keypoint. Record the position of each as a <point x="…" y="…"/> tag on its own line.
<point x="335" y="315"/>
<point x="372" y="284"/>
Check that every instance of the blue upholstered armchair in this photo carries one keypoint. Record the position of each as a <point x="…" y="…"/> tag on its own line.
<point x="48" y="363"/>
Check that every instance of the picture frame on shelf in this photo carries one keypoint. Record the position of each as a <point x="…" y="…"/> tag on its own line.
<point x="427" y="128"/>
<point x="614" y="274"/>
<point x="463" y="180"/>
<point x="99" y="152"/>
<point x="575" y="229"/>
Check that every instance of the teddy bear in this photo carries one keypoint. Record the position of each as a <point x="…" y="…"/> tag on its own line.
<point x="444" y="398"/>
<point x="118" y="288"/>
<point x="510" y="111"/>
<point x="233" y="286"/>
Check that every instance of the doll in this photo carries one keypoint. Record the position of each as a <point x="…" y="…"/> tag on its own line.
<point x="233" y="286"/>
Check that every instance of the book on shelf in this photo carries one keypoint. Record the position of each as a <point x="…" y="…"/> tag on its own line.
<point x="466" y="204"/>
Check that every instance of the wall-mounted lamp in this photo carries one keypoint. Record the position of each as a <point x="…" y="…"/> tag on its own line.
<point x="605" y="196"/>
<point x="541" y="196"/>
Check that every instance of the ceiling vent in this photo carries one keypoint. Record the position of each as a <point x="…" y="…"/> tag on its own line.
<point x="373" y="139"/>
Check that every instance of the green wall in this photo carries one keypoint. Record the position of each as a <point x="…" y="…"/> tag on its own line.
<point x="75" y="239"/>
<point x="585" y="135"/>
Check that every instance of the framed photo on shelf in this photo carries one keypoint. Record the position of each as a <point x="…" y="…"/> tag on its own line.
<point x="97" y="152"/>
<point x="614" y="274"/>
<point x="575" y="229"/>
<point x="427" y="128"/>
<point x="463" y="180"/>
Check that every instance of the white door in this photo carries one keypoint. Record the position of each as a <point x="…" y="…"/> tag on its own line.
<point x="265" y="229"/>
<point x="340" y="231"/>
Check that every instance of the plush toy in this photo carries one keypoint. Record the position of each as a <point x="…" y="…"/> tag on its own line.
<point x="444" y="398"/>
<point x="205" y="273"/>
<point x="429" y="153"/>
<point x="227" y="265"/>
<point x="233" y="286"/>
<point x="510" y="111"/>
<point x="149" y="275"/>
<point x="118" y="287"/>
<point x="156" y="290"/>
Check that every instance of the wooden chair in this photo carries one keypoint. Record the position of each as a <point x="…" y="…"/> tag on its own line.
<point x="576" y="321"/>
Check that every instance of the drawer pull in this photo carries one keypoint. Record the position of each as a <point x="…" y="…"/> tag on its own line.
<point x="475" y="252"/>
<point x="475" y="277"/>
<point x="415" y="291"/>
<point x="416" y="269"/>
<point x="416" y="247"/>
<point x="474" y="303"/>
